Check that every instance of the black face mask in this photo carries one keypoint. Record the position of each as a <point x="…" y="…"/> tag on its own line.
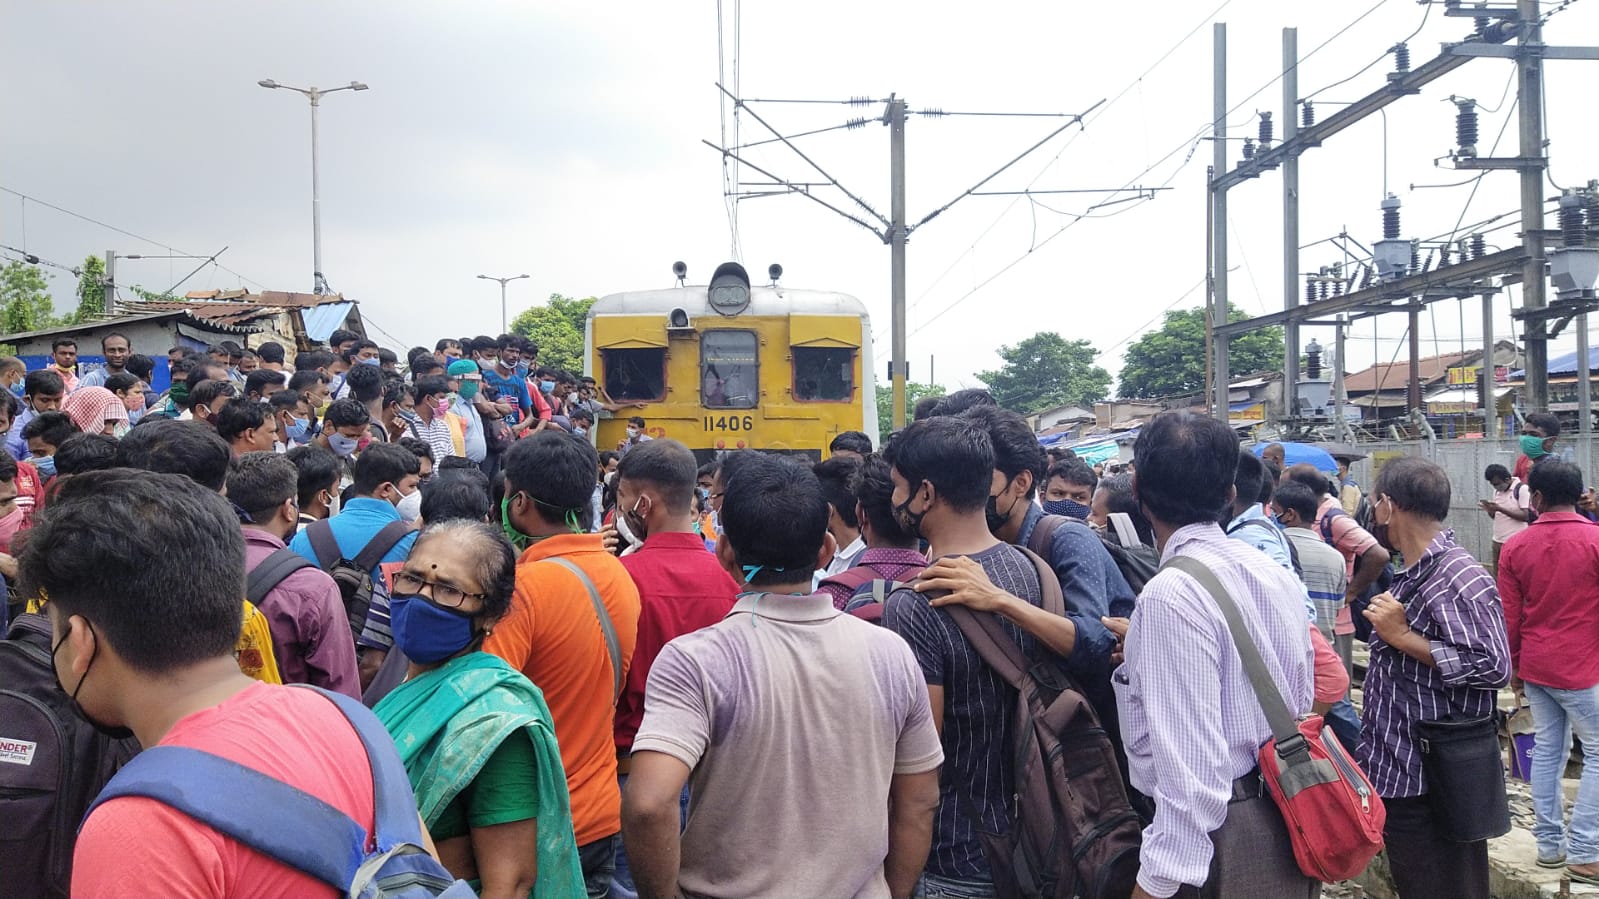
<point x="105" y="730"/>
<point x="991" y="512"/>
<point x="1380" y="533"/>
<point x="635" y="522"/>
<point x="909" y="522"/>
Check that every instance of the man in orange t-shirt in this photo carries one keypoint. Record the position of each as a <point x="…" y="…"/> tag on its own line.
<point x="554" y="633"/>
<point x="177" y="686"/>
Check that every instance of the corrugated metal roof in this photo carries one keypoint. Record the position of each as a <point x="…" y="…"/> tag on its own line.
<point x="322" y="321"/>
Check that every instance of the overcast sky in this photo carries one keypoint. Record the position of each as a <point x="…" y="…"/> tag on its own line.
<point x="564" y="141"/>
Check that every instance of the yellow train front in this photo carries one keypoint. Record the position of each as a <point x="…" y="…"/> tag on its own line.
<point x="729" y="366"/>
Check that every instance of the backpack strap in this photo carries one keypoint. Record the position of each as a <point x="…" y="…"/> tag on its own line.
<point x="612" y="646"/>
<point x="323" y="543"/>
<point x="324" y="842"/>
<point x="380" y="544"/>
<point x="1126" y="532"/>
<point x="1042" y="541"/>
<point x="1260" y="679"/>
<point x="989" y="638"/>
<point x="266" y="576"/>
<point x="852" y="579"/>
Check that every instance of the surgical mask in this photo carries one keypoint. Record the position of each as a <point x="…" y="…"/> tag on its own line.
<point x="1067" y="507"/>
<point x="296" y="431"/>
<point x="1532" y="446"/>
<point x="343" y="445"/>
<point x="469" y="390"/>
<point x="410" y="506"/>
<point x="426" y="631"/>
<point x="485" y="364"/>
<point x="547" y="386"/>
<point x="333" y="503"/>
<point x="46" y="465"/>
<point x="632" y="432"/>
<point x="16" y="390"/>
<point x="135" y="401"/>
<point x="450" y="360"/>
<point x="115" y="733"/>
<point x="580" y="432"/>
<point x="444" y="404"/>
<point x="407" y="415"/>
<point x="1379" y="530"/>
<point x="373" y="361"/>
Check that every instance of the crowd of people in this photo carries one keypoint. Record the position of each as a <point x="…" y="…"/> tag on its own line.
<point x="638" y="672"/>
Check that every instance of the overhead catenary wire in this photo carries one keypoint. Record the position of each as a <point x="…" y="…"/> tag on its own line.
<point x="1170" y="51"/>
<point x="1191" y="143"/>
<point x="123" y="231"/>
<point x="1426" y="11"/>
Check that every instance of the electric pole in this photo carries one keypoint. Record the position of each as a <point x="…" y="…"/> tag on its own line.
<point x="1529" y="114"/>
<point x="894" y="117"/>
<point x="110" y="282"/>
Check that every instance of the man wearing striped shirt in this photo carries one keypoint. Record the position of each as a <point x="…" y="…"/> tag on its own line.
<point x="1438" y="648"/>
<point x="1190" y="720"/>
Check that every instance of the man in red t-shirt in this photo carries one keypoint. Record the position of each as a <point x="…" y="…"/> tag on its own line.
<point x="145" y="620"/>
<point x="682" y="588"/>
<point x="1538" y="438"/>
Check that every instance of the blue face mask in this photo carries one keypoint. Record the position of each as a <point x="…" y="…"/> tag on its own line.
<point x="1066" y="507"/>
<point x="298" y="431"/>
<point x="427" y="632"/>
<point x="16" y="390"/>
<point x="373" y="361"/>
<point x="547" y="386"/>
<point x="46" y="465"/>
<point x="450" y="360"/>
<point x="342" y="445"/>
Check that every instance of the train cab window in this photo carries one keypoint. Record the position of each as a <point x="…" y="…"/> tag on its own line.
<point x="823" y="374"/>
<point x="728" y="369"/>
<point x="635" y="374"/>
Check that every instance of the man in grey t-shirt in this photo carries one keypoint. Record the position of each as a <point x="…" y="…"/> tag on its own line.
<point x="804" y="734"/>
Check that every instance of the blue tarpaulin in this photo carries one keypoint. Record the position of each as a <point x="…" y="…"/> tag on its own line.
<point x="1297" y="453"/>
<point x="322" y="321"/>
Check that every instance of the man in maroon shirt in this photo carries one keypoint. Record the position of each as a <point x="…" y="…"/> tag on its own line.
<point x="890" y="555"/>
<point x="682" y="588"/>
<point x="1549" y="586"/>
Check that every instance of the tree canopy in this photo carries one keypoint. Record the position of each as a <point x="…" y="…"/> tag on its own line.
<point x="25" y="303"/>
<point x="1171" y="360"/>
<point x="91" y="289"/>
<point x="885" y="405"/>
<point x="557" y="327"/>
<point x="1047" y="370"/>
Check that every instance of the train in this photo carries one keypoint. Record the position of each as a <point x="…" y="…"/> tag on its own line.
<point x="729" y="365"/>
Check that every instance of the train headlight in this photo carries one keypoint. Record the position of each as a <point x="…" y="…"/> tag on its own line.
<point x="729" y="292"/>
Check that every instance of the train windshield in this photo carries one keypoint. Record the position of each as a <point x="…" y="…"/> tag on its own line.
<point x="635" y="374"/>
<point x="728" y="369"/>
<point x="824" y="374"/>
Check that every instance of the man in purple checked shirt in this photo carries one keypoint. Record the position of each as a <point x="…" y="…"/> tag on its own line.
<point x="1438" y="648"/>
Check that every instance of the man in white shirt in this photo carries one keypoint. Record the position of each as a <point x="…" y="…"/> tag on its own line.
<point x="1190" y="720"/>
<point x="836" y="474"/>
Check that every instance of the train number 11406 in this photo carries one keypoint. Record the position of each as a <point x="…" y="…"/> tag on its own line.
<point x="729" y="422"/>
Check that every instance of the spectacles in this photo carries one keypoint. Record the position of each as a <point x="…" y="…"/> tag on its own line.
<point x="440" y="592"/>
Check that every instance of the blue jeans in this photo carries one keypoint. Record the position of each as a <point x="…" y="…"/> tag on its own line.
<point x="1345" y="724"/>
<point x="1557" y="714"/>
<point x="932" y="886"/>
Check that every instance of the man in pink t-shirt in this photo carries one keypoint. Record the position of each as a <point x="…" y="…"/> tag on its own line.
<point x="146" y="648"/>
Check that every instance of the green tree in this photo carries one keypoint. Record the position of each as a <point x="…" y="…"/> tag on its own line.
<point x="91" y="289"/>
<point x="557" y="327"/>
<point x="885" y="405"/>
<point x="1171" y="360"/>
<point x="25" y="303"/>
<point x="1047" y="370"/>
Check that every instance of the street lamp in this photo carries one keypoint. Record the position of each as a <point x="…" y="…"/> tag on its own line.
<point x="320" y="284"/>
<point x="504" y="328"/>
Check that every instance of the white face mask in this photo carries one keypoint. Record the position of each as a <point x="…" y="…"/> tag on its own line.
<point x="410" y="506"/>
<point x="632" y="432"/>
<point x="333" y="503"/>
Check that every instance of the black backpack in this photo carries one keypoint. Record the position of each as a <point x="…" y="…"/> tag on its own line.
<point x="354" y="576"/>
<point x="52" y="765"/>
<point x="1072" y="831"/>
<point x="1137" y="563"/>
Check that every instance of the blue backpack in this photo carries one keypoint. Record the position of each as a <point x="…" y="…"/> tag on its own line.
<point x="299" y="829"/>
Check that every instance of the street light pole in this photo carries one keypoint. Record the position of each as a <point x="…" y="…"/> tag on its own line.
<point x="319" y="282"/>
<point x="504" y="326"/>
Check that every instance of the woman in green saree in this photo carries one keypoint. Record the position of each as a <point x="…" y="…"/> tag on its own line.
<point x="474" y="733"/>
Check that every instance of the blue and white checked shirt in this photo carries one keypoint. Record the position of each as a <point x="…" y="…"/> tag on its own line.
<point x="1189" y="717"/>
